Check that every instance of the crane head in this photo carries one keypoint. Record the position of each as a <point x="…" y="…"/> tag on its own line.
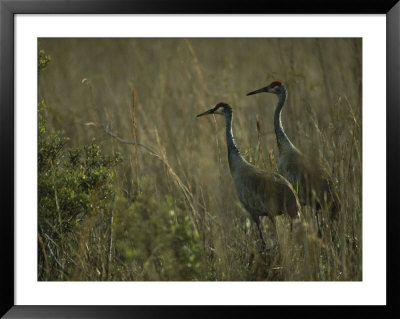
<point x="275" y="87"/>
<point x="220" y="108"/>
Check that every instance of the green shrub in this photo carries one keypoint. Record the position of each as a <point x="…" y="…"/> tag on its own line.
<point x="73" y="183"/>
<point x="156" y="239"/>
<point x="43" y="60"/>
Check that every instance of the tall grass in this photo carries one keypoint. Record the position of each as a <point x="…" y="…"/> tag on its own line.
<point x="174" y="190"/>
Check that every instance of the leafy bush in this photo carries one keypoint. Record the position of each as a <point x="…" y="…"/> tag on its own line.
<point x="73" y="183"/>
<point x="156" y="238"/>
<point x="43" y="60"/>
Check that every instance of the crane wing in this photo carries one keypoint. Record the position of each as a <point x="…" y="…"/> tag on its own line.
<point x="263" y="194"/>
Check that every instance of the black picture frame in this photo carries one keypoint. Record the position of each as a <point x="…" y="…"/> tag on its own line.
<point x="8" y="10"/>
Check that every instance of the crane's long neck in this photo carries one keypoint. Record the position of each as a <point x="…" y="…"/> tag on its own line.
<point x="282" y="139"/>
<point x="234" y="156"/>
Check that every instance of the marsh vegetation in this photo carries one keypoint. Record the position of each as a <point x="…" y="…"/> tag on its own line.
<point x="131" y="186"/>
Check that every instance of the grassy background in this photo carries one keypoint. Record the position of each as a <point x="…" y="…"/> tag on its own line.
<point x="175" y="215"/>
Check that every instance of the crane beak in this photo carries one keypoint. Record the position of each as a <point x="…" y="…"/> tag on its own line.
<point x="211" y="111"/>
<point x="264" y="89"/>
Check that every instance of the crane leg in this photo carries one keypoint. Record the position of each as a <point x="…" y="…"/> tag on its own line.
<point x="257" y="221"/>
<point x="318" y="224"/>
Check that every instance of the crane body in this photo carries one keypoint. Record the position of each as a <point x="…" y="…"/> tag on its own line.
<point x="261" y="194"/>
<point x="311" y="180"/>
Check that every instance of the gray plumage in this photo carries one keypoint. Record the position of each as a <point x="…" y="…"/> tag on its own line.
<point x="308" y="176"/>
<point x="260" y="193"/>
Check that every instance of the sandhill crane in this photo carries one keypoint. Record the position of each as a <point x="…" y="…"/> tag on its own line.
<point x="261" y="194"/>
<point x="308" y="177"/>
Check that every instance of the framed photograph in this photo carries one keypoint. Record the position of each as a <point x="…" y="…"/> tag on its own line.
<point x="172" y="159"/>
